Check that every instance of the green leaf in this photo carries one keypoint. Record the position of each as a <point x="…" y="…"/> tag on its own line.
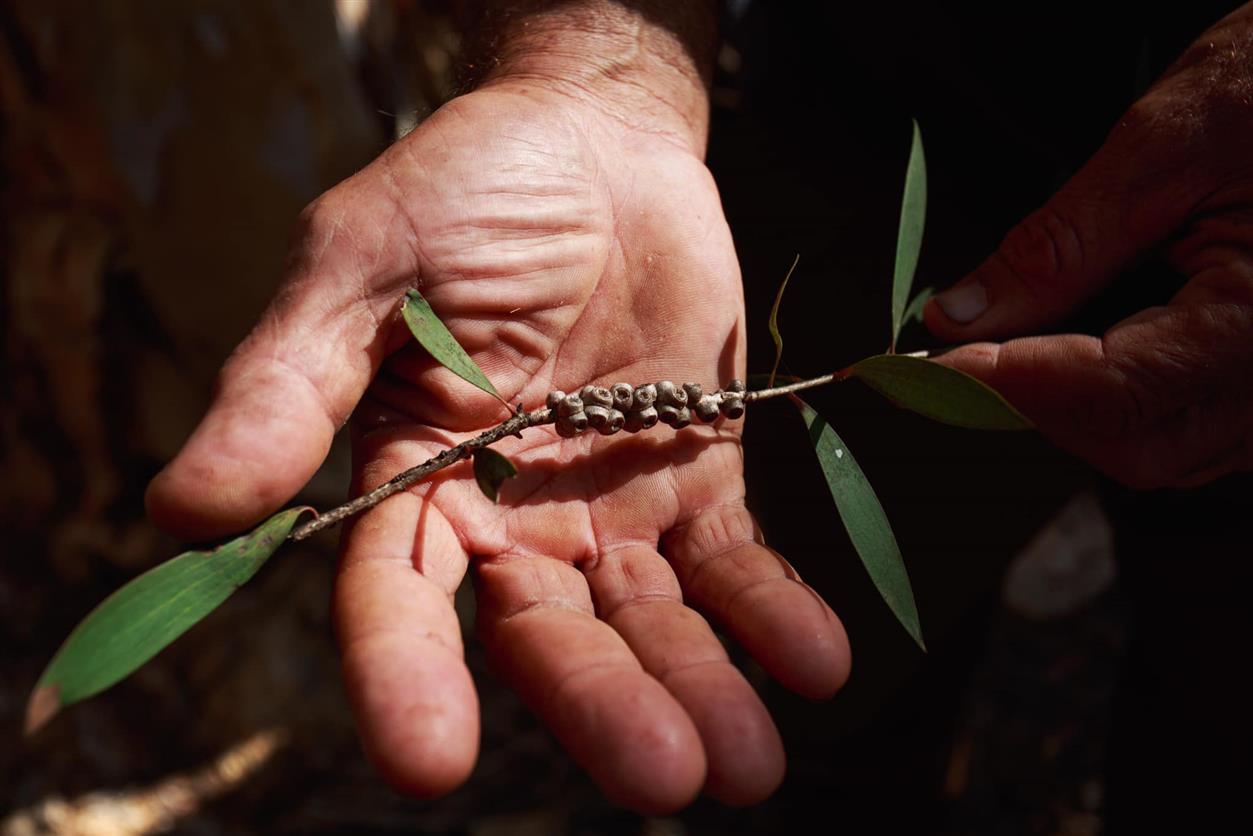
<point x="914" y="311"/>
<point x="863" y="517"/>
<point x="136" y="622"/>
<point x="441" y="344"/>
<point x="939" y="392"/>
<point x="909" y="233"/>
<point x="774" y="322"/>
<point x="491" y="469"/>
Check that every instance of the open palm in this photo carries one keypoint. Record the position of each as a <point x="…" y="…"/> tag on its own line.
<point x="561" y="247"/>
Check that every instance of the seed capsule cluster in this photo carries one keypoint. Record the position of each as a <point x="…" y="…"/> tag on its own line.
<point x="634" y="408"/>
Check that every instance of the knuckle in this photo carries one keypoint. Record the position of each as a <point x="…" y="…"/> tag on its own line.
<point x="317" y="226"/>
<point x="311" y="217"/>
<point x="1202" y="102"/>
<point x="1145" y="117"/>
<point x="716" y="531"/>
<point x="1043" y="253"/>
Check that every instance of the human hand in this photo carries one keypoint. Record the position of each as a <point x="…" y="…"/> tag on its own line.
<point x="563" y="240"/>
<point x="1165" y="397"/>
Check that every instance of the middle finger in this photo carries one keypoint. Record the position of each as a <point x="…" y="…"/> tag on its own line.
<point x="536" y="621"/>
<point x="638" y="595"/>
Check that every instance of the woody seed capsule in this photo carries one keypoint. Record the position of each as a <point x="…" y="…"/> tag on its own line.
<point x="596" y="396"/>
<point x="645" y="396"/>
<point x="614" y="421"/>
<point x="670" y="395"/>
<point x="569" y="405"/>
<point x="682" y="418"/>
<point x="736" y="385"/>
<point x="732" y="405"/>
<point x="597" y="416"/>
<point x="555" y="397"/>
<point x="640" y="419"/>
<point x="568" y="426"/>
<point x="693" y="392"/>
<point x="623" y="394"/>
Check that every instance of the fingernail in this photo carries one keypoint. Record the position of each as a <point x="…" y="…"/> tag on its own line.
<point x="965" y="303"/>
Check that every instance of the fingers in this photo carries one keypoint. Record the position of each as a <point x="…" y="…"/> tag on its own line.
<point x="1160" y="400"/>
<point x="638" y="595"/>
<point x="535" y="619"/>
<point x="1128" y="198"/>
<point x="410" y="690"/>
<point x="292" y="383"/>
<point x="750" y="591"/>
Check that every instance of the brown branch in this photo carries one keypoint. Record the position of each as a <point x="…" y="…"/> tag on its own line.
<point x="765" y="394"/>
<point x="514" y="426"/>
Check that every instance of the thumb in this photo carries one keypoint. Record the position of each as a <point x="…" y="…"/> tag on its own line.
<point x="1129" y="197"/>
<point x="290" y="385"/>
<point x="1160" y="399"/>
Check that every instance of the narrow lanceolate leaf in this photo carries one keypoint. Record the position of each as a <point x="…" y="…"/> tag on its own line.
<point x="909" y="233"/>
<point x="914" y="311"/>
<point x="774" y="323"/>
<point x="441" y="344"/>
<point x="133" y="624"/>
<point x="491" y="469"/>
<point x="864" y="520"/>
<point x="941" y="393"/>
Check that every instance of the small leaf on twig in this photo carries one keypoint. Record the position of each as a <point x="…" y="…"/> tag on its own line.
<point x="863" y="517"/>
<point x="441" y="344"/>
<point x="909" y="233"/>
<point x="939" y="392"/>
<point x="491" y="469"/>
<point x="135" y="623"/>
<point x="774" y="322"/>
<point x="914" y="311"/>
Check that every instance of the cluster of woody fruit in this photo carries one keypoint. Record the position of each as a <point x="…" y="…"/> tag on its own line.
<point x="634" y="408"/>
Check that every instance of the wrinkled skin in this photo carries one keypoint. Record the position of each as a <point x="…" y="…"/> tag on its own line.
<point x="1165" y="397"/>
<point x="561" y="247"/>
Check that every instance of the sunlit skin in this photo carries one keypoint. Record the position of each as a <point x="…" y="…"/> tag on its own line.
<point x="560" y="247"/>
<point x="1165" y="397"/>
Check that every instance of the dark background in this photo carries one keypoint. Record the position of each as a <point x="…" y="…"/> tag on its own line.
<point x="154" y="159"/>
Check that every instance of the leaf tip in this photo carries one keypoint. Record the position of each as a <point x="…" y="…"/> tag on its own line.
<point x="44" y="703"/>
<point x="774" y="321"/>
